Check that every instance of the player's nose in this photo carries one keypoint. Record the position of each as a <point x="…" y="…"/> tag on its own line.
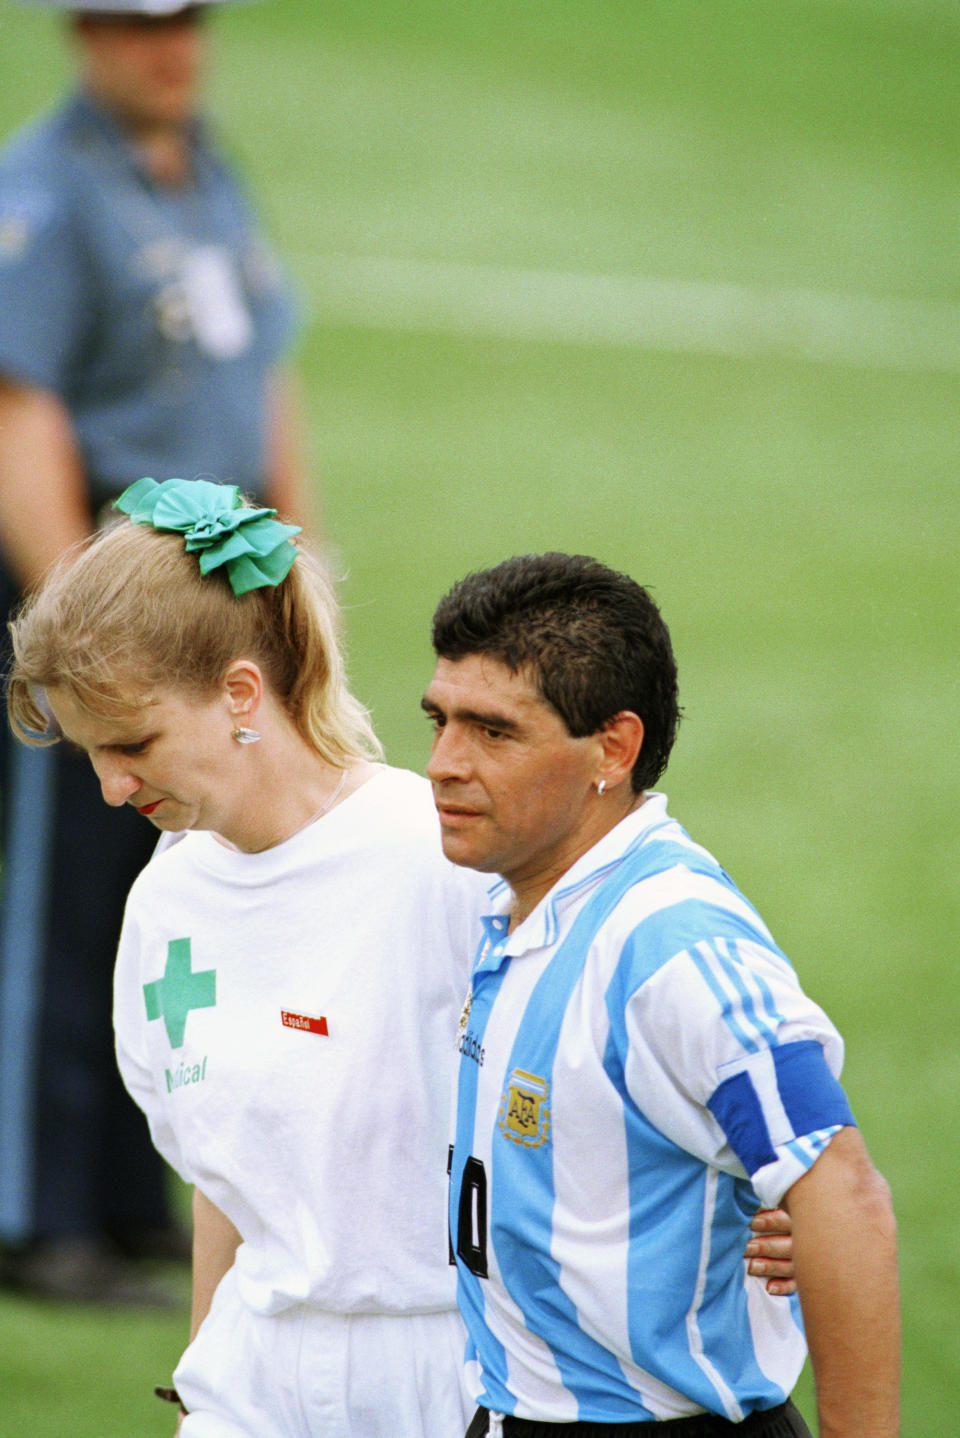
<point x="449" y="757"/>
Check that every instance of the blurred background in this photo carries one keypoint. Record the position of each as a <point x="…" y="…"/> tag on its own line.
<point x="673" y="283"/>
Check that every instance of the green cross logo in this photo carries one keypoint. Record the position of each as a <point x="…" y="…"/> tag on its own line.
<point x="180" y="990"/>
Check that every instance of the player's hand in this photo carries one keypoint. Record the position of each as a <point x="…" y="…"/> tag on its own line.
<point x="769" y="1253"/>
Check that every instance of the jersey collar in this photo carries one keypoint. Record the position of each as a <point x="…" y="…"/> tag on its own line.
<point x="543" y="927"/>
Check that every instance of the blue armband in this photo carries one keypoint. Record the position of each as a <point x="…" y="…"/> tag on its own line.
<point x="776" y="1096"/>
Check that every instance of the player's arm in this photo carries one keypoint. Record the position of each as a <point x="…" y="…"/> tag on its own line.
<point x="849" y="1294"/>
<point x="43" y="503"/>
<point x="215" y="1243"/>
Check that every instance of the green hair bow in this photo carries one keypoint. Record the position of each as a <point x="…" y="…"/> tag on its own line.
<point x="252" y="546"/>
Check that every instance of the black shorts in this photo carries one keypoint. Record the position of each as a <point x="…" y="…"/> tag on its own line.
<point x="784" y="1421"/>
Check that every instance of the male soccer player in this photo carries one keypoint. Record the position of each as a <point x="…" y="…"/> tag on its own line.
<point x="640" y="1068"/>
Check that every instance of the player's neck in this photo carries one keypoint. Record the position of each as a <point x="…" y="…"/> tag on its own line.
<point x="529" y="887"/>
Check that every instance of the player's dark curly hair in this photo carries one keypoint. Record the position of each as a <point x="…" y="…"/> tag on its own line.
<point x="593" y="641"/>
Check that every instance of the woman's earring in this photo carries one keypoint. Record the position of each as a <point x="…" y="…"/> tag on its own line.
<point x="601" y="786"/>
<point x="246" y="736"/>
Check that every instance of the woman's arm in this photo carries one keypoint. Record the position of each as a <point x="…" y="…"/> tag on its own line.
<point x="215" y="1243"/>
<point x="769" y="1253"/>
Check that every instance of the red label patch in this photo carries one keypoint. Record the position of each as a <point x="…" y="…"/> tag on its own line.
<point x="303" y="1021"/>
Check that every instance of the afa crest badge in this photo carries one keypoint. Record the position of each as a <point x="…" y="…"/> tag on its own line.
<point x="525" y="1109"/>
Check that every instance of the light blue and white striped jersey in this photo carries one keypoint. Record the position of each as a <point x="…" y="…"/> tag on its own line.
<point x="639" y="1072"/>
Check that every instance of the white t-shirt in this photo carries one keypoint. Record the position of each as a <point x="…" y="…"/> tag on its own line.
<point x="287" y="1022"/>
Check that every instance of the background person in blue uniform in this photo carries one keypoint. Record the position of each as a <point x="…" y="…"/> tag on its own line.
<point x="142" y="328"/>
<point x="640" y="1068"/>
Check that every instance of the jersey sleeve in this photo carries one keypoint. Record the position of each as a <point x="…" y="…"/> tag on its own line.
<point x="130" y="1022"/>
<point x="733" y="1062"/>
<point x="43" y="287"/>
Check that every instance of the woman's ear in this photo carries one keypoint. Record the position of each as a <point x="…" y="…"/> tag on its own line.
<point x="242" y="687"/>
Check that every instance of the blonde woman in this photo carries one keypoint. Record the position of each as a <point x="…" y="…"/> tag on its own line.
<point x="291" y="969"/>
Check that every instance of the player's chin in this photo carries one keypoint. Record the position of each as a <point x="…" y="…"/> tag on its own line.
<point x="464" y="849"/>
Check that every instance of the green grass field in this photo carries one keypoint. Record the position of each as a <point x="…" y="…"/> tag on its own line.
<point x="674" y="284"/>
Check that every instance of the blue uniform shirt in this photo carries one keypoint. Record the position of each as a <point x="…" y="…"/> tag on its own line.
<point x="153" y="312"/>
<point x="639" y="1070"/>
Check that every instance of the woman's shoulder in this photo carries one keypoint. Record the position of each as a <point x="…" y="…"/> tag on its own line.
<point x="393" y="810"/>
<point x="399" y="791"/>
<point x="171" y="850"/>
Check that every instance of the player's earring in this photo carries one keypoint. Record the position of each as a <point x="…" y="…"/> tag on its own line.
<point x="246" y="736"/>
<point x="601" y="787"/>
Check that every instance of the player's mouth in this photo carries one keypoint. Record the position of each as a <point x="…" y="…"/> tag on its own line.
<point x="456" y="813"/>
<point x="147" y="809"/>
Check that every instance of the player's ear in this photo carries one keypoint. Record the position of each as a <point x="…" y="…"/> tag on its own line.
<point x="621" y="740"/>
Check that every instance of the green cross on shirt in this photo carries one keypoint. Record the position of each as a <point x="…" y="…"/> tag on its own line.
<point x="179" y="991"/>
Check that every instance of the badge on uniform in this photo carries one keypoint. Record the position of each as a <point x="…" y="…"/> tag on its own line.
<point x="307" y="1023"/>
<point x="524" y="1109"/>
